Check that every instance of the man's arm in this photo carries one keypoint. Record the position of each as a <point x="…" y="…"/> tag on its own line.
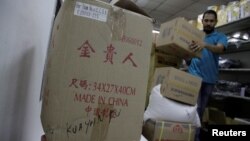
<point x="219" y="48"/>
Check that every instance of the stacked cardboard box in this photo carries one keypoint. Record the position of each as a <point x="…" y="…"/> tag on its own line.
<point x="96" y="75"/>
<point x="214" y="115"/>
<point x="178" y="86"/>
<point x="160" y="59"/>
<point x="176" y="36"/>
<point x="168" y="131"/>
<point x="172" y="46"/>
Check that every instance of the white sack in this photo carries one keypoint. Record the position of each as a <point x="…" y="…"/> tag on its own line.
<point x="162" y="108"/>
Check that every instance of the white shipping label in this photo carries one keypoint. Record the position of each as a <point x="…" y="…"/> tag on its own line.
<point x="91" y="11"/>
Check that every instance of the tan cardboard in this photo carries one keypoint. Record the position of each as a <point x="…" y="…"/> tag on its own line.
<point x="168" y="131"/>
<point x="177" y="84"/>
<point x="95" y="81"/>
<point x="160" y="59"/>
<point x="177" y="35"/>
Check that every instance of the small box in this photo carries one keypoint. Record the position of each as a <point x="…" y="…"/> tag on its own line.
<point x="155" y="130"/>
<point x="176" y="36"/>
<point x="177" y="85"/>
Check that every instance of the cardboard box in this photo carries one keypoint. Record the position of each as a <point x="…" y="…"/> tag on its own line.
<point x="151" y="73"/>
<point x="177" y="85"/>
<point x="168" y="131"/>
<point x="95" y="81"/>
<point x="164" y="60"/>
<point x="216" y="116"/>
<point x="160" y="59"/>
<point x="176" y="36"/>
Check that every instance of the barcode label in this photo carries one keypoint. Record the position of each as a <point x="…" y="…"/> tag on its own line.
<point x="91" y="11"/>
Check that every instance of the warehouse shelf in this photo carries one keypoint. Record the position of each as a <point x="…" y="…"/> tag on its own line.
<point x="229" y="95"/>
<point x="236" y="69"/>
<point x="237" y="25"/>
<point x="238" y="47"/>
<point x="229" y="69"/>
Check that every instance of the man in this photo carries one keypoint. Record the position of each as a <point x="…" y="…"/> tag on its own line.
<point x="207" y="66"/>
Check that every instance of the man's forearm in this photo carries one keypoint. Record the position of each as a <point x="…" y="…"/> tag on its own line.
<point x="215" y="48"/>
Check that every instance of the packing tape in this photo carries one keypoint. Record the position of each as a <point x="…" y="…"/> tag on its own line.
<point x="117" y="23"/>
<point x="162" y="127"/>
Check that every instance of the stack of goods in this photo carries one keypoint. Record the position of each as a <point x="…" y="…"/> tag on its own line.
<point x="233" y="11"/>
<point x="226" y="63"/>
<point x="172" y="46"/>
<point x="244" y="8"/>
<point x="171" y="113"/>
<point x="246" y="90"/>
<point x="222" y="14"/>
<point x="232" y="88"/>
<point x="228" y="87"/>
<point x="96" y="75"/>
<point x="159" y="59"/>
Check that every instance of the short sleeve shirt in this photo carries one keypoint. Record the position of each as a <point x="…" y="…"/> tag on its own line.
<point x="207" y="67"/>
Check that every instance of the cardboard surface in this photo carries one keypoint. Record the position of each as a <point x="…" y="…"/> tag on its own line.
<point x="177" y="85"/>
<point x="168" y="131"/>
<point x="160" y="59"/>
<point x="176" y="36"/>
<point x="95" y="81"/>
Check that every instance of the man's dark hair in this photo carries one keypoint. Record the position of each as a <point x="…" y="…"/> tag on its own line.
<point x="210" y="12"/>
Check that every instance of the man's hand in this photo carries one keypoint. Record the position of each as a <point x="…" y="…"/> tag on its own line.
<point x="195" y="46"/>
<point x="198" y="46"/>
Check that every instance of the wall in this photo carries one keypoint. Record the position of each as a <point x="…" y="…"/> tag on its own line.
<point x="25" y="27"/>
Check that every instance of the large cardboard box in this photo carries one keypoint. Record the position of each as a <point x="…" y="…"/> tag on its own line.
<point x="168" y="131"/>
<point x="95" y="82"/>
<point x="176" y="36"/>
<point x="177" y="85"/>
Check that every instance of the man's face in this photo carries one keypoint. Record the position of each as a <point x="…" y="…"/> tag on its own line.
<point x="209" y="23"/>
